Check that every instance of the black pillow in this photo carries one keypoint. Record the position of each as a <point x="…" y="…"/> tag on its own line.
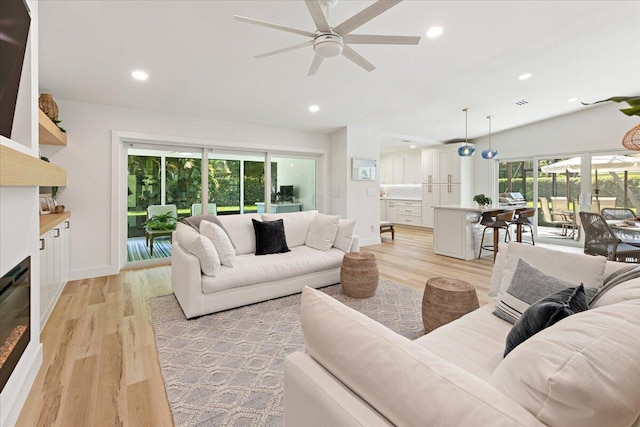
<point x="544" y="313"/>
<point x="270" y="238"/>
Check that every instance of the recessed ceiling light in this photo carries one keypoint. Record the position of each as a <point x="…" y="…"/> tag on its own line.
<point x="412" y="146"/>
<point x="314" y="108"/>
<point x="434" y="32"/>
<point x="139" y="75"/>
<point x="572" y="100"/>
<point x="525" y="76"/>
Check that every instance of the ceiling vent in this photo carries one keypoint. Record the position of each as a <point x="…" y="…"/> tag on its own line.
<point x="521" y="102"/>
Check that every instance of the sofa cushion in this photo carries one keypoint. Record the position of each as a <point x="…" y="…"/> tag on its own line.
<point x="296" y="225"/>
<point x="250" y="269"/>
<point x="625" y="291"/>
<point x="582" y="371"/>
<point x="571" y="267"/>
<point x="220" y="240"/>
<point x="240" y="231"/>
<point x="528" y="285"/>
<point x="546" y="312"/>
<point x="498" y="267"/>
<point x="322" y="232"/>
<point x="270" y="238"/>
<point x="200" y="246"/>
<point x="614" y="279"/>
<point x="344" y="236"/>
<point x="407" y="384"/>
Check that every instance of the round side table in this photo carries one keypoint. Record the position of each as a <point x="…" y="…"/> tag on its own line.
<point x="445" y="300"/>
<point x="359" y="274"/>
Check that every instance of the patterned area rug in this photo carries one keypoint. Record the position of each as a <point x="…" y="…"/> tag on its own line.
<point x="137" y="249"/>
<point x="225" y="369"/>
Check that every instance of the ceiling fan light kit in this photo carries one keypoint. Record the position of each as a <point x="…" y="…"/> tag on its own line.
<point x="330" y="41"/>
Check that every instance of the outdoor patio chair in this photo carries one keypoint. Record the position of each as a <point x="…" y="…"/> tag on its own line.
<point x="556" y="218"/>
<point x="618" y="213"/>
<point x="599" y="239"/>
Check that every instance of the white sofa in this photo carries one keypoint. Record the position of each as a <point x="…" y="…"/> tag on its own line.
<point x="582" y="371"/>
<point x="255" y="278"/>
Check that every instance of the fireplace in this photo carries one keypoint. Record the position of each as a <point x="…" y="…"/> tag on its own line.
<point x="15" y="317"/>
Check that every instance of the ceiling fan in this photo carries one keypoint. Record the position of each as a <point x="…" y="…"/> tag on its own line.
<point x="330" y="41"/>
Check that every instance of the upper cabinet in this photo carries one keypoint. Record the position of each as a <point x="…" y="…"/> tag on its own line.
<point x="49" y="132"/>
<point x="412" y="171"/>
<point x="386" y="170"/>
<point x="441" y="166"/>
<point x="401" y="169"/>
<point x="431" y="166"/>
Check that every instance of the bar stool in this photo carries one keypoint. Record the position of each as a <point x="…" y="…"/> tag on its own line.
<point x="495" y="220"/>
<point x="523" y="221"/>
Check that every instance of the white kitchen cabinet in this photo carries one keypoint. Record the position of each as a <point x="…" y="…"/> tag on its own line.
<point x="383" y="210"/>
<point x="386" y="170"/>
<point x="409" y="212"/>
<point x="392" y="211"/>
<point x="449" y="194"/>
<point x="412" y="168"/>
<point x="398" y="169"/>
<point x="431" y="166"/>
<point x="430" y="198"/>
<point x="450" y="166"/>
<point x="54" y="267"/>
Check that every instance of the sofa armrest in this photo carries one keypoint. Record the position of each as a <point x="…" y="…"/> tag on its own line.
<point x="315" y="398"/>
<point x="186" y="279"/>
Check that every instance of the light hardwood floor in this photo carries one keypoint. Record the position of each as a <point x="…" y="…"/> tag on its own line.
<point x="100" y="363"/>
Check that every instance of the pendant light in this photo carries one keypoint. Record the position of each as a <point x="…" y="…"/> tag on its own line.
<point x="466" y="150"/>
<point x="489" y="154"/>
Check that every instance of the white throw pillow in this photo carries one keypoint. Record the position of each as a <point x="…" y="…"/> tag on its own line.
<point x="570" y="267"/>
<point x="201" y="247"/>
<point x="582" y="371"/>
<point x="322" y="232"/>
<point x="239" y="228"/>
<point x="296" y="225"/>
<point x="344" y="236"/>
<point x="498" y="267"/>
<point x="221" y="241"/>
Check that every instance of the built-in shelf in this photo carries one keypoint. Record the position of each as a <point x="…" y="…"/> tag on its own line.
<point x="22" y="170"/>
<point x="50" y="134"/>
<point x="48" y="222"/>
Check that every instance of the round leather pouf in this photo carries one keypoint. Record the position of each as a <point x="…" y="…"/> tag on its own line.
<point x="359" y="274"/>
<point x="445" y="300"/>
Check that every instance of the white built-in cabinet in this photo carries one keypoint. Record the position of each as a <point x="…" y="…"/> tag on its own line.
<point x="442" y="181"/>
<point x="383" y="210"/>
<point x="54" y="266"/>
<point x="401" y="168"/>
<point x="392" y="211"/>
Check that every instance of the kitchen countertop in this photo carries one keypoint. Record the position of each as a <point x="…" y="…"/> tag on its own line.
<point x="475" y="208"/>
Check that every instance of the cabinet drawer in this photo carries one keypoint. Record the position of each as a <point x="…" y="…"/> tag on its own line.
<point x="410" y="210"/>
<point x="411" y="220"/>
<point x="405" y="203"/>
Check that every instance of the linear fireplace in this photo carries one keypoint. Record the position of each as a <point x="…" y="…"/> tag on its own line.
<point x="15" y="317"/>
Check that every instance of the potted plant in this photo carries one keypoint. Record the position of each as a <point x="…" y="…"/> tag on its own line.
<point x="482" y="200"/>
<point x="163" y="222"/>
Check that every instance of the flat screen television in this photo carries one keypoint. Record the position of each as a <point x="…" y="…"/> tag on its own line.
<point x="14" y="30"/>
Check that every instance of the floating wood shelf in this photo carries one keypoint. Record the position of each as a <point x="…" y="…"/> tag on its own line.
<point x="49" y="132"/>
<point x="22" y="170"/>
<point x="48" y="222"/>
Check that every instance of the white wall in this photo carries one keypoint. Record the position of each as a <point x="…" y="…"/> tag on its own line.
<point x="596" y="129"/>
<point x="338" y="170"/>
<point x="87" y="159"/>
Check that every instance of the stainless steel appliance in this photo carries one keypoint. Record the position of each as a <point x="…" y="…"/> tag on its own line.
<point x="512" y="199"/>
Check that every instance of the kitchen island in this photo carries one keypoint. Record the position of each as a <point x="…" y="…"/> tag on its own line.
<point x="456" y="232"/>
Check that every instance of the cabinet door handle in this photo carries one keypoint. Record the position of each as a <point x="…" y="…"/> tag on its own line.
<point x="56" y="232"/>
<point x="66" y="224"/>
<point x="42" y="244"/>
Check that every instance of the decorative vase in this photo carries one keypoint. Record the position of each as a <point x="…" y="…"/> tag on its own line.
<point x="48" y="106"/>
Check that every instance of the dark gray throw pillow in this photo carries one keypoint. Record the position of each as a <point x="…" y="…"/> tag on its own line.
<point x="270" y="237"/>
<point x="544" y="313"/>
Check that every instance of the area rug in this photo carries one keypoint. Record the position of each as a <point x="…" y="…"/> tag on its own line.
<point x="137" y="249"/>
<point x="226" y="369"/>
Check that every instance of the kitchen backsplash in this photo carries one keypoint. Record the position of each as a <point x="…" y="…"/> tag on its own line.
<point x="401" y="191"/>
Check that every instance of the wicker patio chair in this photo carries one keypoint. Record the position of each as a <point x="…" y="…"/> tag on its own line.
<point x="618" y="213"/>
<point x="600" y="240"/>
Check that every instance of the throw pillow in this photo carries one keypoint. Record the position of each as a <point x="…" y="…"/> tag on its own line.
<point x="296" y="225"/>
<point x="498" y="268"/>
<point x="614" y="279"/>
<point x="201" y="247"/>
<point x="527" y="286"/>
<point x="344" y="236"/>
<point x="546" y="312"/>
<point x="221" y="241"/>
<point x="322" y="232"/>
<point x="270" y="237"/>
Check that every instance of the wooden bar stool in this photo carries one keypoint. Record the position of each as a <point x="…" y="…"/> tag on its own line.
<point x="499" y="222"/>
<point x="523" y="221"/>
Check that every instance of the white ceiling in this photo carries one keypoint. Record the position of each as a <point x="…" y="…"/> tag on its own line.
<point x="200" y="63"/>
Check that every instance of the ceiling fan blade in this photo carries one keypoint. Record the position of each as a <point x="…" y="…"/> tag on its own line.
<point x="359" y="60"/>
<point x="273" y="26"/>
<point x="317" y="60"/>
<point x="365" y="16"/>
<point x="374" y="39"/>
<point x="318" y="16"/>
<point x="285" y="49"/>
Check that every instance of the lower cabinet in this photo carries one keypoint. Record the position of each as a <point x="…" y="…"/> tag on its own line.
<point x="392" y="211"/>
<point x="54" y="267"/>
<point x="383" y="210"/>
<point x="409" y="213"/>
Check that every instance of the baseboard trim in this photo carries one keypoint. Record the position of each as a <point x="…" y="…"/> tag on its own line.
<point x="370" y="241"/>
<point x="88" y="273"/>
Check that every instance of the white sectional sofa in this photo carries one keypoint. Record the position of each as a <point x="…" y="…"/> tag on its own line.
<point x="255" y="278"/>
<point x="583" y="370"/>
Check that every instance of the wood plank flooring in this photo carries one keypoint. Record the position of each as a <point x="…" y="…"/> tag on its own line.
<point x="100" y="362"/>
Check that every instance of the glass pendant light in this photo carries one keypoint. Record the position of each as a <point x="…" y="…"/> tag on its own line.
<point x="466" y="150"/>
<point x="489" y="154"/>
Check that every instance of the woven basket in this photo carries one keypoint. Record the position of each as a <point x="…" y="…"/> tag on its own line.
<point x="445" y="300"/>
<point x="48" y="106"/>
<point x="359" y="275"/>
